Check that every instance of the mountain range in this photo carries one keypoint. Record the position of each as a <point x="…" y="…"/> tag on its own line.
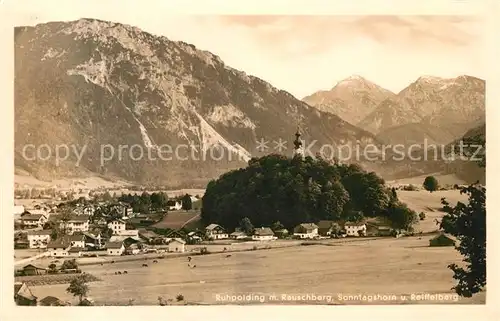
<point x="92" y="83"/>
<point x="432" y="108"/>
<point x="96" y="83"/>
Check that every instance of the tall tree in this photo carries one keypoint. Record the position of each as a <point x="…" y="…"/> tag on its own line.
<point x="78" y="287"/>
<point x="467" y="222"/>
<point x="187" y="204"/>
<point x="246" y="226"/>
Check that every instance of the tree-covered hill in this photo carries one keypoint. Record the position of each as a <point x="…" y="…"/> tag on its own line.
<point x="295" y="190"/>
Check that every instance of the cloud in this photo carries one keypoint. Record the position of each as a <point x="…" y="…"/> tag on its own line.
<point x="317" y="34"/>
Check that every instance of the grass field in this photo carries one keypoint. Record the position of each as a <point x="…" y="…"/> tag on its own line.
<point x="391" y="267"/>
<point x="177" y="219"/>
<point x="430" y="204"/>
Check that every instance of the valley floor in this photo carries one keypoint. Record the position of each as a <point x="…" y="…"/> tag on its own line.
<point x="384" y="270"/>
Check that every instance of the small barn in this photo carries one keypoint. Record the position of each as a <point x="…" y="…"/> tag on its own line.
<point x="30" y="269"/>
<point x="442" y="240"/>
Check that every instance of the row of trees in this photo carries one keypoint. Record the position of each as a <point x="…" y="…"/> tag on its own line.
<point x="295" y="190"/>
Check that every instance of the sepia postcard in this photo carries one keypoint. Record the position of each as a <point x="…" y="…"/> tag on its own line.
<point x="224" y="159"/>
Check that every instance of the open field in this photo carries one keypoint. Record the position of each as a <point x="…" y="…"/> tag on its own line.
<point x="390" y="266"/>
<point x="430" y="204"/>
<point x="177" y="219"/>
<point x="449" y="179"/>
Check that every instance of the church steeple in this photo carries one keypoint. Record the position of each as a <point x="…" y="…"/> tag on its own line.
<point x="297" y="143"/>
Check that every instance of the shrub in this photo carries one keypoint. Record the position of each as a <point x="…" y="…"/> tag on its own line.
<point x="421" y="216"/>
<point x="431" y="184"/>
<point x="180" y="297"/>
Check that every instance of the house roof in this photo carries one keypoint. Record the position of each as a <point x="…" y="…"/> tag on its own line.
<point x="41" y="232"/>
<point x="58" y="244"/>
<point x="23" y="290"/>
<point x="325" y="224"/>
<point x="354" y="223"/>
<point x="36" y="267"/>
<point x="32" y="217"/>
<point x="212" y="226"/>
<point x="174" y="234"/>
<point x="238" y="233"/>
<point x="308" y="226"/>
<point x="36" y="212"/>
<point x="49" y="300"/>
<point x="79" y="218"/>
<point x="75" y="237"/>
<point x="114" y="245"/>
<point x="263" y="231"/>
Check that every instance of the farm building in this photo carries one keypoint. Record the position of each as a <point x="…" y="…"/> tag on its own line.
<point x="442" y="240"/>
<point x="281" y="233"/>
<point x="238" y="235"/>
<point x="306" y="231"/>
<point x="115" y="248"/>
<point x="23" y="294"/>
<point x="195" y="236"/>
<point x="176" y="245"/>
<point x="174" y="205"/>
<point x="30" y="269"/>
<point x="263" y="234"/>
<point x="133" y="249"/>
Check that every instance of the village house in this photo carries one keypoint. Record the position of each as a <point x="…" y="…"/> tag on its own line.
<point x="93" y="240"/>
<point x="76" y="240"/>
<point x="117" y="226"/>
<point x="238" y="235"/>
<point x="76" y="223"/>
<point x="176" y="245"/>
<point x="195" y="236"/>
<point x="23" y="294"/>
<point x="33" y="220"/>
<point x="174" y="235"/>
<point x="124" y="210"/>
<point x="174" y="205"/>
<point x="133" y="249"/>
<point x="38" y="239"/>
<point x="281" y="233"/>
<point x="115" y="248"/>
<point x="306" y="231"/>
<point x="30" y="269"/>
<point x="215" y="232"/>
<point x="325" y="228"/>
<point x="58" y="248"/>
<point x="355" y="228"/>
<point x="263" y="234"/>
<point x="150" y="237"/>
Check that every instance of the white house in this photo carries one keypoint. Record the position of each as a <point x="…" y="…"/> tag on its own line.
<point x="176" y="245"/>
<point x="77" y="240"/>
<point x="263" y="234"/>
<point x="76" y="223"/>
<point x="117" y="226"/>
<point x="115" y="248"/>
<point x="306" y="231"/>
<point x="174" y="205"/>
<point x="39" y="239"/>
<point x="58" y="248"/>
<point x="215" y="232"/>
<point x="33" y="220"/>
<point x="355" y="229"/>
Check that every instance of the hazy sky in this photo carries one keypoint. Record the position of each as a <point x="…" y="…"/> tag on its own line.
<point x="303" y="54"/>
